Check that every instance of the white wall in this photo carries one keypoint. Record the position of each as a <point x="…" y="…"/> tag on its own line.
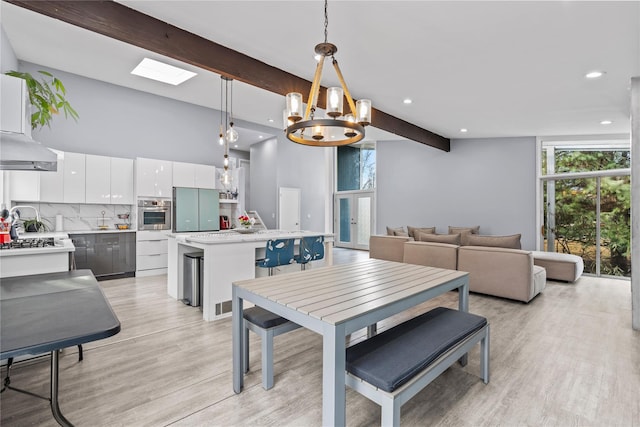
<point x="263" y="176"/>
<point x="8" y="60"/>
<point x="279" y="162"/>
<point x="486" y="182"/>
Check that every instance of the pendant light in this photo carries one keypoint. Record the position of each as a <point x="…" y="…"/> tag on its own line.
<point x="227" y="134"/>
<point x="337" y="129"/>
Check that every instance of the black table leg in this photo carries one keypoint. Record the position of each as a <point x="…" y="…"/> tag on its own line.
<point x="55" y="409"/>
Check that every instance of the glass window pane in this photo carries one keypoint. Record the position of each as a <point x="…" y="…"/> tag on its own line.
<point x="364" y="220"/>
<point x="345" y="220"/>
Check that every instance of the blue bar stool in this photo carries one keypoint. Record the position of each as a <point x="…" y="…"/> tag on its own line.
<point x="311" y="249"/>
<point x="277" y="252"/>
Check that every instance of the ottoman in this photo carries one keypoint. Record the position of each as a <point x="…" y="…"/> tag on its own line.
<point x="559" y="266"/>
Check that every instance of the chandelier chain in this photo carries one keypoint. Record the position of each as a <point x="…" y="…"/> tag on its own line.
<point x="326" y="20"/>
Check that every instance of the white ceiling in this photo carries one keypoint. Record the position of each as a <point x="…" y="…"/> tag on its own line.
<point x="496" y="68"/>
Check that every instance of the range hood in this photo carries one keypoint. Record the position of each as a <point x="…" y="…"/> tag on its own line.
<point x="19" y="152"/>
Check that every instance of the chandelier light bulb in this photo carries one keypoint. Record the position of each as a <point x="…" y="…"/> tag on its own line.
<point x="294" y="106"/>
<point x="335" y="96"/>
<point x="232" y="135"/>
<point x="363" y="112"/>
<point x="317" y="133"/>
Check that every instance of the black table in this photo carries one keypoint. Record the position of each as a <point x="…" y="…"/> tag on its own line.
<point x="48" y="312"/>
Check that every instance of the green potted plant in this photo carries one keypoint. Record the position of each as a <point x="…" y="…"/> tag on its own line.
<point x="47" y="97"/>
<point x="34" y="225"/>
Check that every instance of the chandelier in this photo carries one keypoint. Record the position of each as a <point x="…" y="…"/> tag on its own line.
<point x="338" y="129"/>
<point x="228" y="135"/>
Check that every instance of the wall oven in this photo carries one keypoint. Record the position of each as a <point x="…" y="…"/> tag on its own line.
<point x="154" y="215"/>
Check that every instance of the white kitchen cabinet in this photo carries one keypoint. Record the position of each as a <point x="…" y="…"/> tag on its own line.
<point x="152" y="248"/>
<point x="205" y="176"/>
<point x="74" y="178"/>
<point x="24" y="186"/>
<point x="109" y="180"/>
<point x="122" y="181"/>
<point x="184" y="174"/>
<point x="98" y="179"/>
<point x="14" y="105"/>
<point x="52" y="183"/>
<point x="154" y="178"/>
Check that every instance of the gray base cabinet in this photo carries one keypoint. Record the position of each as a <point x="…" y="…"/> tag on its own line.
<point x="107" y="255"/>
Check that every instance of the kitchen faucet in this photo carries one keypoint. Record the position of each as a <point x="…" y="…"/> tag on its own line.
<point x="14" y="213"/>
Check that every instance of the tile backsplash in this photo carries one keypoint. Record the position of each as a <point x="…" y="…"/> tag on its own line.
<point x="81" y="217"/>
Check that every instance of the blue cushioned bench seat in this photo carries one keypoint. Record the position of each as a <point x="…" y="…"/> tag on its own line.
<point x="394" y="365"/>
<point x="268" y="325"/>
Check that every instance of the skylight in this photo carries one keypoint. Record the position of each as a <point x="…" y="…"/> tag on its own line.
<point x="162" y="72"/>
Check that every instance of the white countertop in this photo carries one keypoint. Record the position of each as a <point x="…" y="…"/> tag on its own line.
<point x="231" y="236"/>
<point x="109" y="230"/>
<point x="61" y="245"/>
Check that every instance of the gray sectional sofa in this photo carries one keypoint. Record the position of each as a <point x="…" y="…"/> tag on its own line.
<point x="498" y="271"/>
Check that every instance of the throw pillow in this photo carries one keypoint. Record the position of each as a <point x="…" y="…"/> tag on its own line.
<point x="413" y="231"/>
<point x="400" y="233"/>
<point x="510" y="242"/>
<point x="473" y="230"/>
<point x="390" y="230"/>
<point x="452" y="239"/>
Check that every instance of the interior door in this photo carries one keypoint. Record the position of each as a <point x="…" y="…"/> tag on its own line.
<point x="354" y="219"/>
<point x="289" y="209"/>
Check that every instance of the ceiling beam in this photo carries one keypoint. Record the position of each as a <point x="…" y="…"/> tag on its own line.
<point x="130" y="26"/>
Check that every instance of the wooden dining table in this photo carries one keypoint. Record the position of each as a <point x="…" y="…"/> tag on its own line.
<point x="336" y="301"/>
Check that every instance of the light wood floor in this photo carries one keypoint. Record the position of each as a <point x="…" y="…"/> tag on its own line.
<point x="568" y="358"/>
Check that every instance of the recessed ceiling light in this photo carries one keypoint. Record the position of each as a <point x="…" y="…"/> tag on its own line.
<point x="606" y="122"/>
<point x="464" y="130"/>
<point x="162" y="72"/>
<point x="594" y="74"/>
<point x="270" y="120"/>
<point x="235" y="146"/>
<point x="407" y="101"/>
<point x="260" y="136"/>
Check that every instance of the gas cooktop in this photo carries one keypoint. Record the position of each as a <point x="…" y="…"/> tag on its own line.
<point x="29" y="243"/>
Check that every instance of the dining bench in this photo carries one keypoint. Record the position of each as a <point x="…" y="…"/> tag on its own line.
<point x="393" y="366"/>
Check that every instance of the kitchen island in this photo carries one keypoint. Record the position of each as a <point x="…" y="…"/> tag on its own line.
<point x="36" y="253"/>
<point x="228" y="256"/>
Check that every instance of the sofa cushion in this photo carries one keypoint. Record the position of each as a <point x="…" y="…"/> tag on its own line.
<point x="400" y="233"/>
<point x="391" y="230"/>
<point x="439" y="255"/>
<point x="511" y="242"/>
<point x="390" y="248"/>
<point x="452" y="239"/>
<point x="502" y="272"/>
<point x="413" y="231"/>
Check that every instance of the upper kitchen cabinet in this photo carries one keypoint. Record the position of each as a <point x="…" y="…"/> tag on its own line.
<point x="98" y="179"/>
<point x="52" y="183"/>
<point x="122" y="181"/>
<point x="109" y="180"/>
<point x="24" y="186"/>
<point x="193" y="175"/>
<point x="184" y="174"/>
<point x="14" y="101"/>
<point x="74" y="178"/>
<point x="205" y="176"/>
<point x="154" y="178"/>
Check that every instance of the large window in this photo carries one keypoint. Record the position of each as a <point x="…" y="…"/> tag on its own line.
<point x="354" y="216"/>
<point x="586" y="189"/>
<point x="357" y="167"/>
